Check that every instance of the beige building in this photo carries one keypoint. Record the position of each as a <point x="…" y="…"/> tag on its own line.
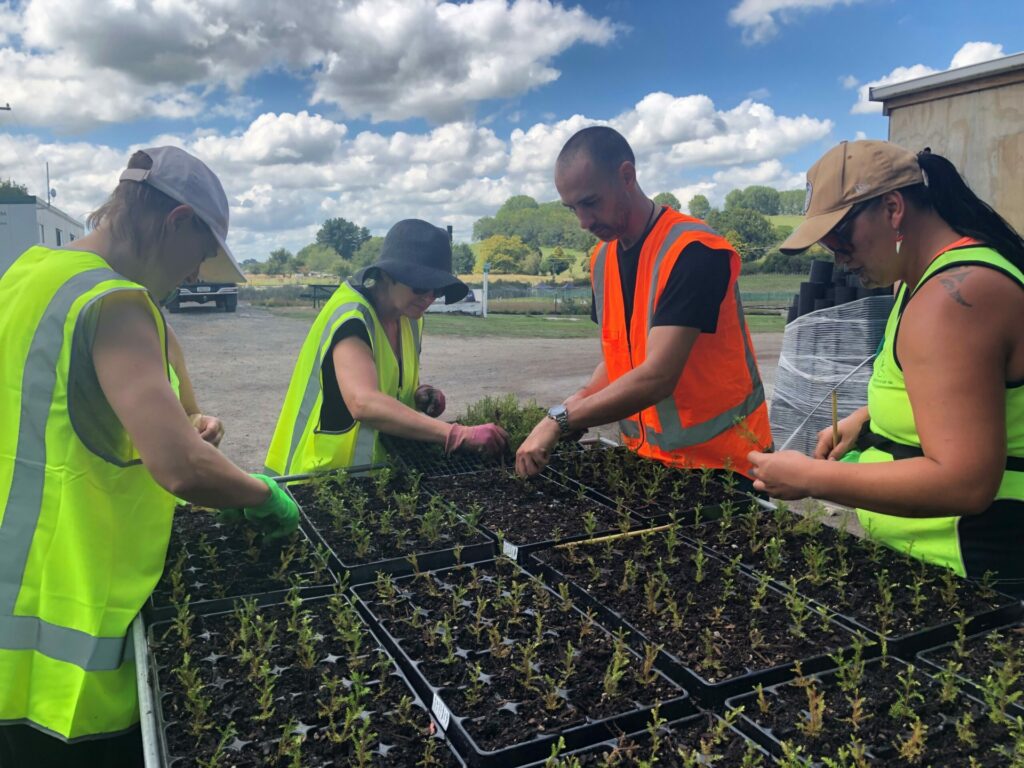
<point x="975" y="117"/>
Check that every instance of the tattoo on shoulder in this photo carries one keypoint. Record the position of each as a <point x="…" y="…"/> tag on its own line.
<point x="952" y="280"/>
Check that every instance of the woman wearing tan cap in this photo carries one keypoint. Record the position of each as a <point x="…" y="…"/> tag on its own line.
<point x="940" y="470"/>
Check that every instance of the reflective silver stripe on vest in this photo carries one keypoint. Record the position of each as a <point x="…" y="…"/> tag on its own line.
<point x="24" y="503"/>
<point x="674" y="233"/>
<point x="313" y="384"/>
<point x="630" y="428"/>
<point x="416" y="336"/>
<point x="597" y="275"/>
<point x="674" y="436"/>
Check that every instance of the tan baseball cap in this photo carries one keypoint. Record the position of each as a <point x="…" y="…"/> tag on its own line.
<point x="848" y="174"/>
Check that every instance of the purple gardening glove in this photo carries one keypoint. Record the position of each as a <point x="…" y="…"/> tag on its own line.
<point x="429" y="400"/>
<point x="485" y="438"/>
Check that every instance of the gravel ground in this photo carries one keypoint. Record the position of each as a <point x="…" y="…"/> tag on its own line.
<point x="241" y="364"/>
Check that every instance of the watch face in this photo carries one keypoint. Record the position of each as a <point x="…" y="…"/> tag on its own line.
<point x="555" y="411"/>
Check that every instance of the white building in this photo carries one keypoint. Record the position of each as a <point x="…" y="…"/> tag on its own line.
<point x="26" y="220"/>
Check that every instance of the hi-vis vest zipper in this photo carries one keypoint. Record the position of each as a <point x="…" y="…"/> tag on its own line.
<point x="84" y="527"/>
<point x="299" y="444"/>
<point x="717" y="413"/>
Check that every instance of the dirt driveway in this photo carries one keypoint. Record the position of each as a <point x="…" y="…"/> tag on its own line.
<point x="241" y="364"/>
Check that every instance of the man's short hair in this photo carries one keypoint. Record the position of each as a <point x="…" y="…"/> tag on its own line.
<point x="606" y="148"/>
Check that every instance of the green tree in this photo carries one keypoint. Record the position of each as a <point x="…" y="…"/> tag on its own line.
<point x="756" y="232"/>
<point x="737" y="198"/>
<point x="555" y="262"/>
<point x="251" y="266"/>
<point x="699" y="206"/>
<point x="321" y="258"/>
<point x="667" y="198"/>
<point x="463" y="258"/>
<point x="367" y="253"/>
<point x="10" y="189"/>
<point x="505" y="254"/>
<point x="518" y="203"/>
<point x="764" y="200"/>
<point x="791" y="202"/>
<point x="280" y="262"/>
<point x="343" y="236"/>
<point x="484" y="228"/>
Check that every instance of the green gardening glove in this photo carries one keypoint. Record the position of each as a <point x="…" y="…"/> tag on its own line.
<point x="276" y="517"/>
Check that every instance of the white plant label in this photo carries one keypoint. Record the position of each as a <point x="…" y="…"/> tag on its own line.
<point x="441" y="712"/>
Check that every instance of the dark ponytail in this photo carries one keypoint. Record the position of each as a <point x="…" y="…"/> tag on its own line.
<point x="949" y="196"/>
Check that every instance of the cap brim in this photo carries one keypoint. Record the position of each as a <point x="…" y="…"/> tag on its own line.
<point x="416" y="276"/>
<point x="811" y="230"/>
<point x="222" y="268"/>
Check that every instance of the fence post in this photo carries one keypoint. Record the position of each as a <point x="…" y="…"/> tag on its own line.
<point x="483" y="291"/>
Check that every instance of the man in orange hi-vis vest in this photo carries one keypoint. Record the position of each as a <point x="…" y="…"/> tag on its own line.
<point x="679" y="371"/>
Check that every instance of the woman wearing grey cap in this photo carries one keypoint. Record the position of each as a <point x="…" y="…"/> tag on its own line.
<point x="95" y="445"/>
<point x="358" y="371"/>
<point x="939" y="466"/>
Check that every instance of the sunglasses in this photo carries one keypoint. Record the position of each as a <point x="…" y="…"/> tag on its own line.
<point x="421" y="291"/>
<point x="840" y="233"/>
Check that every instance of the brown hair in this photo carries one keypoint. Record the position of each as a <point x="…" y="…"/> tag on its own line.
<point x="134" y="210"/>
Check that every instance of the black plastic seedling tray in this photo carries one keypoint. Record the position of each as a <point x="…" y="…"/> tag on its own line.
<point x="538" y="748"/>
<point x="928" y="661"/>
<point x="166" y="760"/>
<point x="906" y="645"/>
<point x="516" y="548"/>
<point x="155" y="610"/>
<point x="708" y="694"/>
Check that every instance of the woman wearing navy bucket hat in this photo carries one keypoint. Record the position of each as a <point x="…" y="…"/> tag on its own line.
<point x="358" y="371"/>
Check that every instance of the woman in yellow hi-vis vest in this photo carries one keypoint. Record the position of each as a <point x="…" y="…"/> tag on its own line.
<point x="94" y="445"/>
<point x="940" y="473"/>
<point x="358" y="371"/>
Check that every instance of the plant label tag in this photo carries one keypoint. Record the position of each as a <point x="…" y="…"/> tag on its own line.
<point x="511" y="551"/>
<point x="441" y="712"/>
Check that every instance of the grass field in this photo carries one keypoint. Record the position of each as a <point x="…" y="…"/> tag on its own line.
<point x="786" y="220"/>
<point x="523" y="326"/>
<point x="769" y="282"/>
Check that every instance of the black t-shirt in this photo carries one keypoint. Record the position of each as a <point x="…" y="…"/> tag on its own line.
<point x="334" y="414"/>
<point x="693" y="294"/>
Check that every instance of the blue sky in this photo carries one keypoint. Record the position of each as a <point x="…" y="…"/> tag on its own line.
<point x="378" y="110"/>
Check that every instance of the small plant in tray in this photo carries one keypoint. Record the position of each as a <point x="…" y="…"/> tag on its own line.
<point x="718" y="624"/>
<point x="302" y="683"/>
<point x="509" y="657"/>
<point x="882" y="712"/>
<point x="884" y="591"/>
<point x="207" y="560"/>
<point x="386" y="516"/>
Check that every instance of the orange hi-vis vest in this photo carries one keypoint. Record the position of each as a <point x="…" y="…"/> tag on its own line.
<point x="717" y="413"/>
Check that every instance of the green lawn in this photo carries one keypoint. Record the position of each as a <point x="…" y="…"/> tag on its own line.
<point x="786" y="220"/>
<point x="770" y="282"/>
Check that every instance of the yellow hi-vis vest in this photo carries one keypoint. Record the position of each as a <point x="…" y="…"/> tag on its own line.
<point x="969" y="545"/>
<point x="84" y="527"/>
<point x="299" y="444"/>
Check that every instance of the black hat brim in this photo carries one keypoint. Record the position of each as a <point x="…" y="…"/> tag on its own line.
<point x="416" y="276"/>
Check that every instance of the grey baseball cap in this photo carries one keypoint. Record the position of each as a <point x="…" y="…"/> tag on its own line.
<point x="187" y="179"/>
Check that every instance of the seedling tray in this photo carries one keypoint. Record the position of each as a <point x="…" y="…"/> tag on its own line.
<point x="974" y="668"/>
<point x="883" y="731"/>
<point x="438" y="684"/>
<point x="478" y="546"/>
<point x="242" y="575"/>
<point x="542" y="491"/>
<point x="319" y="751"/>
<point x="983" y="609"/>
<point x="709" y="692"/>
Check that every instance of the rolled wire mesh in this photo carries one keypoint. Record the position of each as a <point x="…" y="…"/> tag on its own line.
<point x="821" y="352"/>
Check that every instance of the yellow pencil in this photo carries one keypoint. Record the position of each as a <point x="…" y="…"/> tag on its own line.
<point x="835" y="419"/>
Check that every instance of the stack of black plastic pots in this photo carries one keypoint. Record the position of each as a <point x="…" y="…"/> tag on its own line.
<point x="828" y="287"/>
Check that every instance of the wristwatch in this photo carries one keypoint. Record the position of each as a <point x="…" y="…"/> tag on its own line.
<point x="560" y="414"/>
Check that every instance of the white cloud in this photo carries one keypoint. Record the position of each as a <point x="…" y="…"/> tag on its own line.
<point x="286" y="173"/>
<point x="760" y="19"/>
<point x="850" y="82"/>
<point x="969" y="53"/>
<point x="976" y="53"/>
<point x="87" y="63"/>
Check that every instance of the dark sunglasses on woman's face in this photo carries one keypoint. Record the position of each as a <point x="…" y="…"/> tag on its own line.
<point x="839" y="235"/>
<point x="421" y="291"/>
